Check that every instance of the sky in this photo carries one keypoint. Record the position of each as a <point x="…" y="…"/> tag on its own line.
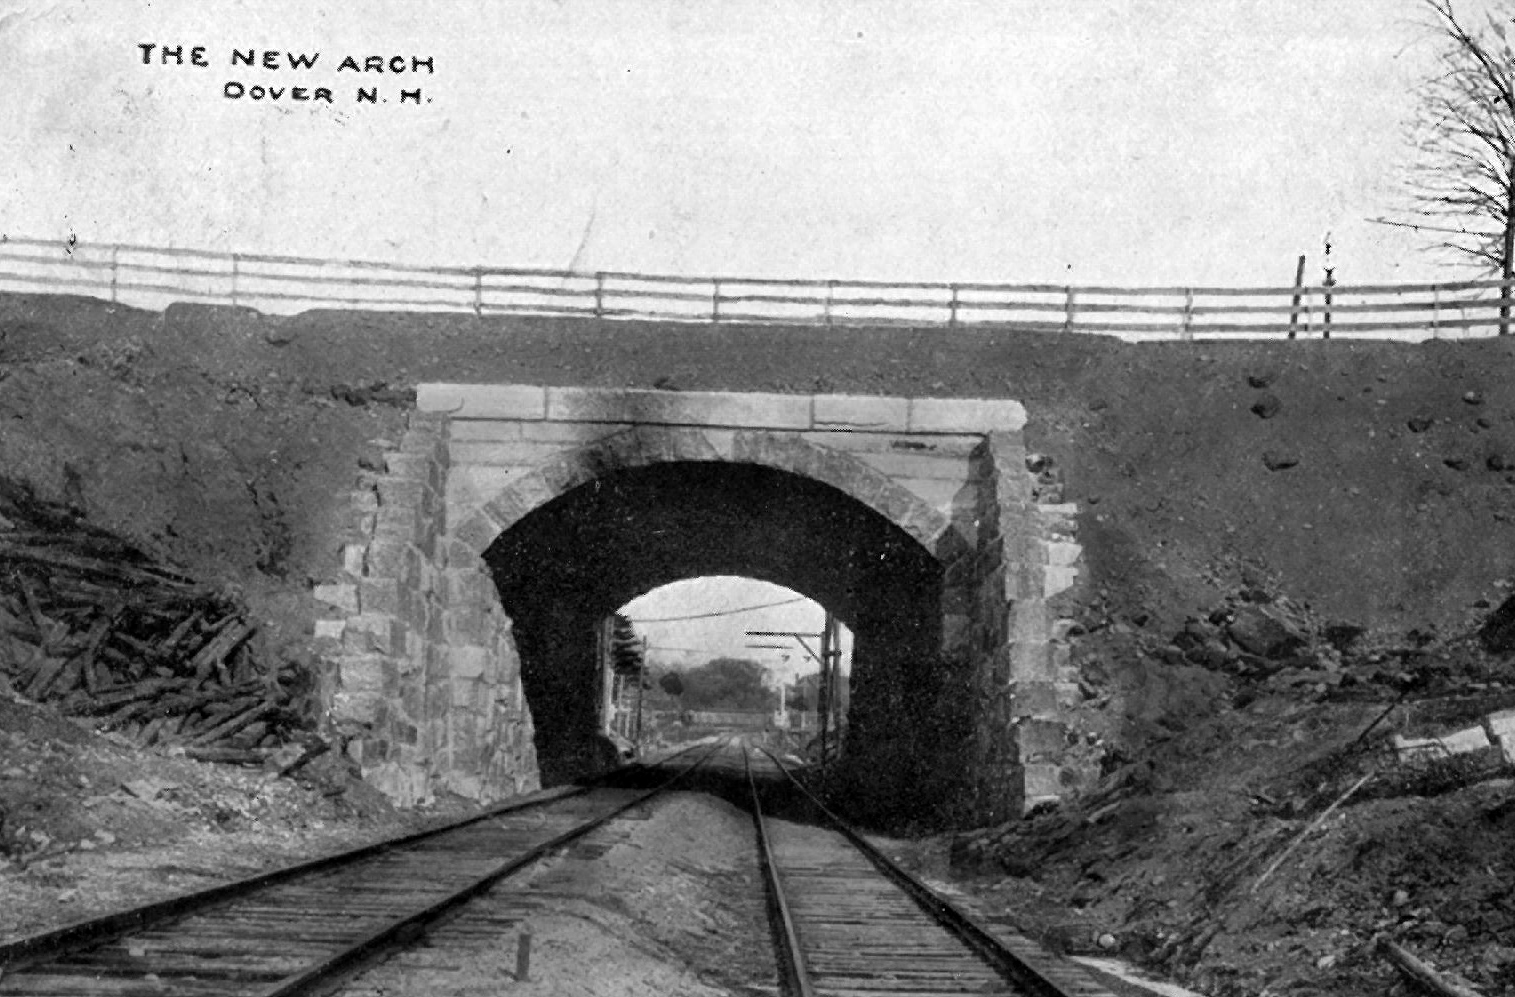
<point x="723" y="610"/>
<point x="1135" y="141"/>
<point x="1195" y="142"/>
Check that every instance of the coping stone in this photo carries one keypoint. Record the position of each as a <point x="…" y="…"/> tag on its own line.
<point x="483" y="401"/>
<point x="679" y="408"/>
<point x="966" y="415"/>
<point x="868" y="412"/>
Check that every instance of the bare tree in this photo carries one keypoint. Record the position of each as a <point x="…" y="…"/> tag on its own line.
<point x="1461" y="183"/>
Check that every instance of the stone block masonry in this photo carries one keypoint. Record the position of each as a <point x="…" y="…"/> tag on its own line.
<point x="423" y="674"/>
<point x="424" y="688"/>
<point x="952" y="473"/>
<point x="1027" y="569"/>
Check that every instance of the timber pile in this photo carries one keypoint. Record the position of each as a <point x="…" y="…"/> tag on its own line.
<point x="92" y="625"/>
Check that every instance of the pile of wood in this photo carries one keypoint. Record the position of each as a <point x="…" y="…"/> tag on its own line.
<point x="93" y="626"/>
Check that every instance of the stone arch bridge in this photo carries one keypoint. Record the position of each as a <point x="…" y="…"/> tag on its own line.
<point x="459" y="641"/>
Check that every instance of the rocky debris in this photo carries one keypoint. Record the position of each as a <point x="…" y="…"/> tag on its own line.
<point x="1049" y="477"/>
<point x="1456" y="463"/>
<point x="1342" y="636"/>
<point x="1498" y="631"/>
<point x="1294" y="864"/>
<point x="1262" y="379"/>
<point x="376" y="393"/>
<point x="1420" y="423"/>
<point x="1473" y="397"/>
<point x="1263" y="632"/>
<point x="1243" y="635"/>
<point x="1271" y="644"/>
<point x="1279" y="460"/>
<point x="92" y="625"/>
<point x="1267" y="406"/>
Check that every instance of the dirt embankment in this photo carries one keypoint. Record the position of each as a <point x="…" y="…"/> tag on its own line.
<point x="1374" y="481"/>
<point x="1265" y="818"/>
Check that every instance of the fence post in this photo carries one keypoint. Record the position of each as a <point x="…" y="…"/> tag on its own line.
<point x="1325" y="332"/>
<point x="478" y="292"/>
<point x="236" y="267"/>
<point x="1504" y="307"/>
<point x="1299" y="281"/>
<point x="1068" y="309"/>
<point x="715" y="302"/>
<point x="1188" y="312"/>
<point x="115" y="253"/>
<point x="599" y="294"/>
<point x="952" y="315"/>
<point x="830" y="299"/>
<point x="1435" y="310"/>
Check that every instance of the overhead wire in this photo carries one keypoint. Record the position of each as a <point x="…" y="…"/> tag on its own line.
<point x="720" y="612"/>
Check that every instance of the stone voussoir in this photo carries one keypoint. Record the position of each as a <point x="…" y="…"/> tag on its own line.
<point x="478" y="531"/>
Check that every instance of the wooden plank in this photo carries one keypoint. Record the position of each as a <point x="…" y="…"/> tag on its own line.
<point x="231" y="632"/>
<point x="67" y="680"/>
<point x="1337" y="308"/>
<point x="44" y="676"/>
<point x="635" y="290"/>
<point x="235" y="724"/>
<point x="1342" y="326"/>
<point x="182" y="630"/>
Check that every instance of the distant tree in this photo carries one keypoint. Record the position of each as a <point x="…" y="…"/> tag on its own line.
<point x="625" y="647"/>
<point x="1461" y="181"/>
<point x="727" y="684"/>
<point x="671" y="683"/>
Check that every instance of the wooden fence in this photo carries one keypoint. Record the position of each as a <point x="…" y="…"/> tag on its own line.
<point x="150" y="277"/>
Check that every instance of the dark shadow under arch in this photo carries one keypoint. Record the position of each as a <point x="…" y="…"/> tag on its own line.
<point x="563" y="566"/>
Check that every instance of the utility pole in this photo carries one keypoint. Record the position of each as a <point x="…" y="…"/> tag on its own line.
<point x="829" y="658"/>
<point x="607" y="674"/>
<point x="823" y="705"/>
<point x="828" y="683"/>
<point x="831" y="653"/>
<point x="641" y="693"/>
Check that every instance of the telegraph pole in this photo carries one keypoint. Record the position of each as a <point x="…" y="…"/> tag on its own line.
<point x="829" y="659"/>
<point x="641" y="693"/>
<point x="827" y="703"/>
<point x="831" y="656"/>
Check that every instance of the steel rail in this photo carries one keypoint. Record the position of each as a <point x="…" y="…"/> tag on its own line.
<point x="988" y="947"/>
<point x="17" y="954"/>
<point x="402" y="931"/>
<point x="791" y="955"/>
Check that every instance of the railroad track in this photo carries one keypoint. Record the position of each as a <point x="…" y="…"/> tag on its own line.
<point x="848" y="922"/>
<point x="303" y="929"/>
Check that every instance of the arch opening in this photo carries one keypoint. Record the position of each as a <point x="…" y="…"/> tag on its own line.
<point x="571" y="562"/>
<point x="728" y="654"/>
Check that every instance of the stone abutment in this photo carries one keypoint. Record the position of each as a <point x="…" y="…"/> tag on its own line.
<point x="457" y="641"/>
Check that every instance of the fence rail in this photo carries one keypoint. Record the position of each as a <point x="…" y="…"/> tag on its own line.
<point x="152" y="277"/>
